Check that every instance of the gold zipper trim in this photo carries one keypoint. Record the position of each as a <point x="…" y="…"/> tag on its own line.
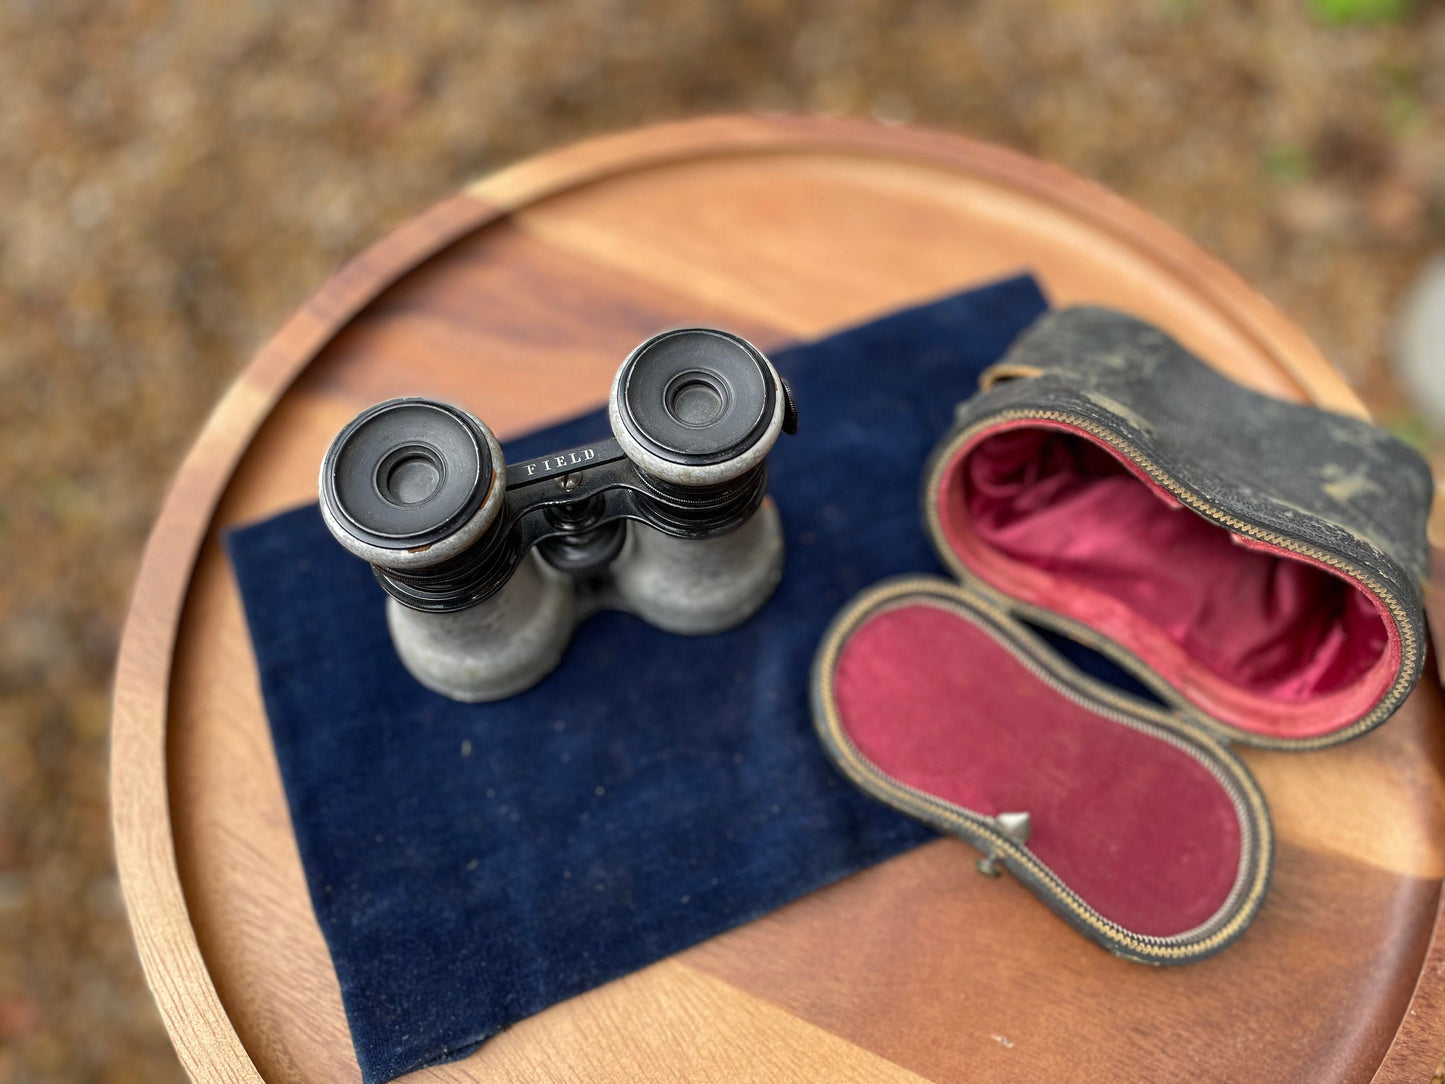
<point x="1409" y="641"/>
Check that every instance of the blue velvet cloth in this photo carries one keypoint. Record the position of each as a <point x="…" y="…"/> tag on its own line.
<point x="472" y="864"/>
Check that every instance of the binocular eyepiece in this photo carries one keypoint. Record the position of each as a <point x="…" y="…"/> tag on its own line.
<point x="489" y="566"/>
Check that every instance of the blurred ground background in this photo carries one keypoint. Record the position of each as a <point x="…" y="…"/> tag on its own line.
<point x="175" y="179"/>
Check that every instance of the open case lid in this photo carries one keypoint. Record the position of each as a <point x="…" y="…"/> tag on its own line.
<point x="1129" y="821"/>
<point x="1264" y="559"/>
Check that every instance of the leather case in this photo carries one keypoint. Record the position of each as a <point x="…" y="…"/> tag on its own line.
<point x="1255" y="566"/>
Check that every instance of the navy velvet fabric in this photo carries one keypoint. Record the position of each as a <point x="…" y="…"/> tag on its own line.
<point x="472" y="864"/>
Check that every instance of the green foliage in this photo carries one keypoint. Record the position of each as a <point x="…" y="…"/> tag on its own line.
<point x="1286" y="163"/>
<point x="1404" y="112"/>
<point x="1360" y="11"/>
<point x="1411" y="428"/>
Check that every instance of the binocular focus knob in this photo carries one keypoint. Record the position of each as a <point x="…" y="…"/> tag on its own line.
<point x="411" y="482"/>
<point x="697" y="407"/>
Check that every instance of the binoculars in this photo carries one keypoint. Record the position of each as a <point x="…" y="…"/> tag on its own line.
<point x="490" y="566"/>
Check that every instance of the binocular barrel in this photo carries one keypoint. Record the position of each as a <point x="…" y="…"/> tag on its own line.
<point x="489" y="565"/>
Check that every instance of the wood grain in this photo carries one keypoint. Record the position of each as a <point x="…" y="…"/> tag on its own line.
<point x="919" y="969"/>
<point x="952" y="960"/>
<point x="671" y="1022"/>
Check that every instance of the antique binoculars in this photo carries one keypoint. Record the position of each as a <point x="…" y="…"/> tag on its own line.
<point x="489" y="566"/>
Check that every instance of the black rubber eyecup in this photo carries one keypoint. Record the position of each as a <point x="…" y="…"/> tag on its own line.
<point x="406" y="473"/>
<point x="696" y="396"/>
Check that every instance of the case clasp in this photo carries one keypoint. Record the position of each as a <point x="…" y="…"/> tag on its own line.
<point x="1014" y="826"/>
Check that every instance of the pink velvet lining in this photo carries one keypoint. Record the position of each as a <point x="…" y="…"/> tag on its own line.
<point x="1139" y="829"/>
<point x="1263" y="639"/>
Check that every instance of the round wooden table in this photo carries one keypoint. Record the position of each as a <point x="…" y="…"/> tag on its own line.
<point x="517" y="297"/>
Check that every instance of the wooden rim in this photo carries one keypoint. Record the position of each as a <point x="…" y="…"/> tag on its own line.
<point x="200" y="1029"/>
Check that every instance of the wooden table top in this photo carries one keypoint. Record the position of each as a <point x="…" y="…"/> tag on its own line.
<point x="518" y="298"/>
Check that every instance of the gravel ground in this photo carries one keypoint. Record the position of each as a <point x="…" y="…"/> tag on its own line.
<point x="174" y="179"/>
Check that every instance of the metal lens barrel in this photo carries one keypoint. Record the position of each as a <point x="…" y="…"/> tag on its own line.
<point x="415" y="487"/>
<point x="696" y="411"/>
<point x="696" y="407"/>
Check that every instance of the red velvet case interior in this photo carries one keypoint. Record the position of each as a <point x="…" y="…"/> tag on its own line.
<point x="1136" y="826"/>
<point x="1258" y="637"/>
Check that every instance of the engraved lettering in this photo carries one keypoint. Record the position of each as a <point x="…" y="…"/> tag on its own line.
<point x="560" y="461"/>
